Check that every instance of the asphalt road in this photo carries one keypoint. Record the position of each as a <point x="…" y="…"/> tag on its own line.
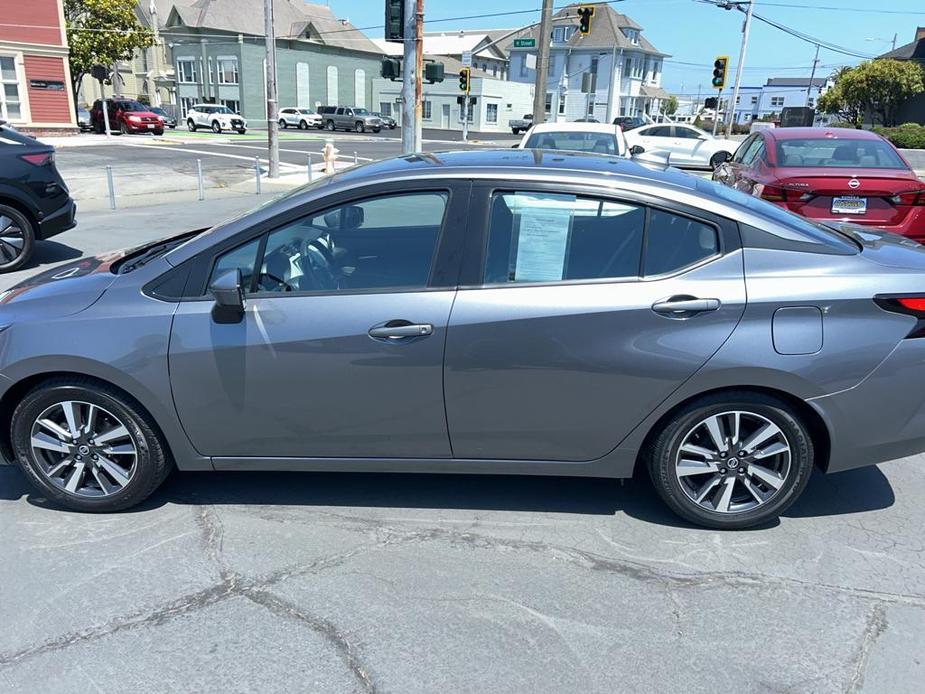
<point x="240" y="582"/>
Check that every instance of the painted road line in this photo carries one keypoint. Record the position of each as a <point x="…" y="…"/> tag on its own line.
<point x="208" y="153"/>
<point x="303" y="152"/>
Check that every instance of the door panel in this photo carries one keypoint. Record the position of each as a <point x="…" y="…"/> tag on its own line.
<point x="300" y="376"/>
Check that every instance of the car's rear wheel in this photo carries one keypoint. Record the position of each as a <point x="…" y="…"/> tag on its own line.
<point x="191" y="125"/>
<point x="17" y="239"/>
<point x="87" y="446"/>
<point x="515" y="131"/>
<point x="732" y="460"/>
<point x="216" y="127"/>
<point x="330" y="125"/>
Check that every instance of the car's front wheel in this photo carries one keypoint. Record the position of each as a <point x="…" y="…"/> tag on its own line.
<point x="283" y="124"/>
<point x="216" y="127"/>
<point x="732" y="460"/>
<point x="191" y="125"/>
<point x="303" y="125"/>
<point x="718" y="159"/>
<point x="88" y="446"/>
<point x="359" y="127"/>
<point x="17" y="239"/>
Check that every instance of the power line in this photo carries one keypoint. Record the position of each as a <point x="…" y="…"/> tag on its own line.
<point x="837" y="8"/>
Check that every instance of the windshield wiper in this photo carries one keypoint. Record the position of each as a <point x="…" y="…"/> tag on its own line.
<point x="133" y="262"/>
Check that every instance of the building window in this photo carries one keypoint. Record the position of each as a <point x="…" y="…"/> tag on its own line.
<point x="548" y="102"/>
<point x="227" y="70"/>
<point x="754" y="100"/>
<point x="471" y="114"/>
<point x="10" y="100"/>
<point x="332" y="85"/>
<point x="186" y="71"/>
<point x="561" y="104"/>
<point x="385" y="108"/>
<point x="186" y="103"/>
<point x="491" y="113"/>
<point x="558" y="35"/>
<point x="427" y="111"/>
<point x="524" y="70"/>
<point x="359" y="88"/>
<point x="810" y="102"/>
<point x="233" y="104"/>
<point x="777" y="101"/>
<point x="590" y="111"/>
<point x="302" y="85"/>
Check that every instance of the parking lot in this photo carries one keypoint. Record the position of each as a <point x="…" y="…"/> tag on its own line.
<point x="332" y="582"/>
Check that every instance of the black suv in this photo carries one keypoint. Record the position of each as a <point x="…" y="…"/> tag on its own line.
<point x="34" y="201"/>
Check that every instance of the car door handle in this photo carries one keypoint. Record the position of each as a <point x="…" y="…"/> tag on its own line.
<point x="398" y="329"/>
<point x="682" y="307"/>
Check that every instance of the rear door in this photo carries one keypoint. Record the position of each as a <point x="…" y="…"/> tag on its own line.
<point x="579" y="313"/>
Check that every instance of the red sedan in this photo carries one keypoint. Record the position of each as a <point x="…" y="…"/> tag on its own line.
<point x="830" y="174"/>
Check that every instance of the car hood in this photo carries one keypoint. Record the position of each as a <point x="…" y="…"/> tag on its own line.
<point x="884" y="247"/>
<point x="143" y="114"/>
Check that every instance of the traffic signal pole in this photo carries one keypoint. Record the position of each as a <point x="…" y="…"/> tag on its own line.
<point x="418" y="73"/>
<point x="735" y="88"/>
<point x="272" y="99"/>
<point x="408" y="110"/>
<point x="542" y="63"/>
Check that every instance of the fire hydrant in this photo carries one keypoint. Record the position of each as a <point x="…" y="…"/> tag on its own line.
<point x="329" y="154"/>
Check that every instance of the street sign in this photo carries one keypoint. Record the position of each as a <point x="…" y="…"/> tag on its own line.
<point x="524" y="43"/>
<point x="467" y="58"/>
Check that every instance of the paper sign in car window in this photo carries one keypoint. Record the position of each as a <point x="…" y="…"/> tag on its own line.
<point x="544" y="222"/>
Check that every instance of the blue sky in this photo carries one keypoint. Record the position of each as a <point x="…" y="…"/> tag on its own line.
<point x="694" y="32"/>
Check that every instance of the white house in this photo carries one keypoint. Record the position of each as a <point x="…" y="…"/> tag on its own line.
<point x="488" y="47"/>
<point x="612" y="71"/>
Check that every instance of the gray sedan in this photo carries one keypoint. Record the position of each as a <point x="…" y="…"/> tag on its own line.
<point x="517" y="312"/>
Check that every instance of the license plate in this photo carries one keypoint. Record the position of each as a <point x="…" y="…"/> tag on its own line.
<point x="849" y="204"/>
<point x="150" y="126"/>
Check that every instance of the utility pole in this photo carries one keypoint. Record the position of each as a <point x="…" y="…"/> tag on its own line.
<point x="409" y="61"/>
<point x="735" y="89"/>
<point x="812" y="75"/>
<point x="272" y="104"/>
<point x="542" y="63"/>
<point x="418" y="74"/>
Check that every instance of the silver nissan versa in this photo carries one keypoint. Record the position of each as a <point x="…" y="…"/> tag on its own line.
<point x="516" y="311"/>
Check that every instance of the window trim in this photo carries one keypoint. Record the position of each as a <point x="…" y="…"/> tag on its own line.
<point x="727" y="232"/>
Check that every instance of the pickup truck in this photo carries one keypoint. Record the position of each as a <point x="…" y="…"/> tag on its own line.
<point x="519" y="125"/>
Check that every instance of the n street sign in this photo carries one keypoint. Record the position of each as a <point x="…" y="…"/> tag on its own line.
<point x="524" y="43"/>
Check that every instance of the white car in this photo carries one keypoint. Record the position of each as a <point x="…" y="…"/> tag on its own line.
<point x="215" y="117"/>
<point x="301" y="118"/>
<point x="596" y="138"/>
<point x="686" y="145"/>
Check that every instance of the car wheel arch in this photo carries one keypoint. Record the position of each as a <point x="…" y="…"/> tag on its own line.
<point x="22" y="208"/>
<point x="814" y="422"/>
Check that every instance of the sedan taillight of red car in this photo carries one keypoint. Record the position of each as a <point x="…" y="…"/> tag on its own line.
<point x="915" y="198"/>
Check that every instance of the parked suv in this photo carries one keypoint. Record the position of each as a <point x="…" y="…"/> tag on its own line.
<point x="126" y="116"/>
<point x="34" y="201"/>
<point x="349" y="118"/>
<point x="216" y="117"/>
<point x="301" y="118"/>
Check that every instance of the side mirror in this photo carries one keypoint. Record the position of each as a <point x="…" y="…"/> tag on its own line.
<point x="721" y="158"/>
<point x="517" y="146"/>
<point x="702" y="137"/>
<point x="636" y="150"/>
<point x="229" y="297"/>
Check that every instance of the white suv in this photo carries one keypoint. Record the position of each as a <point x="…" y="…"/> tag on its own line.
<point x="216" y="117"/>
<point x="301" y="118"/>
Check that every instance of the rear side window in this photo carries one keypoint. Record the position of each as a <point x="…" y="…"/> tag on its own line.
<point x="674" y="242"/>
<point x="659" y="131"/>
<point x="575" y="141"/>
<point x="547" y="237"/>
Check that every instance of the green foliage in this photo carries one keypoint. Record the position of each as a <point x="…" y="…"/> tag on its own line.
<point x="89" y="46"/>
<point x="877" y="88"/>
<point x="905" y="136"/>
<point x="842" y="124"/>
<point x="698" y="122"/>
<point x="669" y="106"/>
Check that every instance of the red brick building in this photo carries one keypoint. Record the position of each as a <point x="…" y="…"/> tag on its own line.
<point x="35" y="82"/>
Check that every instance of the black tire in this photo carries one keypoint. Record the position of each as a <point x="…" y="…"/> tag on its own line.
<point x="123" y="129"/>
<point x="663" y="450"/>
<point x="303" y="125"/>
<point x="191" y="126"/>
<point x="715" y="160"/>
<point x="283" y="124"/>
<point x="158" y="132"/>
<point x="242" y="131"/>
<point x="377" y="130"/>
<point x="359" y="127"/>
<point x="330" y="126"/>
<point x="216" y="127"/>
<point x="515" y="131"/>
<point x="11" y="257"/>
<point x="153" y="458"/>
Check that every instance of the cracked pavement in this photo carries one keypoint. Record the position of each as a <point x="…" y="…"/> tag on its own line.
<point x="240" y="582"/>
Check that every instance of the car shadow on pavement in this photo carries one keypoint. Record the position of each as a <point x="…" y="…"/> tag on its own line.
<point x="51" y="252"/>
<point x="855" y="491"/>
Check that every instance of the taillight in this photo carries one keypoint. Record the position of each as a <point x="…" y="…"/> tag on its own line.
<point x="909" y="305"/>
<point x="771" y="193"/>
<point x="914" y="198"/>
<point x="40" y="159"/>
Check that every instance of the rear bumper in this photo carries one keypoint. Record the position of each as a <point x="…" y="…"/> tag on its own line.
<point x="62" y="219"/>
<point x="912" y="226"/>
<point x="883" y="417"/>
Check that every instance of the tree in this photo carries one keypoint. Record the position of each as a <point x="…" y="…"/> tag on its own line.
<point x="102" y="32"/>
<point x="670" y="105"/>
<point x="876" y="88"/>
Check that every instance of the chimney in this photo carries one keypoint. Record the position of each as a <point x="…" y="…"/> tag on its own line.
<point x="920" y="33"/>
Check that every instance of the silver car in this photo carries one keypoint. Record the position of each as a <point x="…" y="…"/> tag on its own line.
<point x="515" y="311"/>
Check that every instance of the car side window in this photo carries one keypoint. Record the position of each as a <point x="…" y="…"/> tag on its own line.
<point x="674" y="242"/>
<point x="658" y="131"/>
<point x="743" y="149"/>
<point x="388" y="242"/>
<point x="243" y="258"/>
<point x="548" y="237"/>
<point x="748" y="156"/>
<point x="685" y="133"/>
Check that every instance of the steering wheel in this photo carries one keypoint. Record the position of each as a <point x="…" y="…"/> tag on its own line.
<point x="321" y="265"/>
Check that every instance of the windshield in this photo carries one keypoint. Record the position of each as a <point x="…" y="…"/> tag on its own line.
<point x="807" y="230"/>
<point x="360" y="112"/>
<point x="131" y="106"/>
<point x="832" y="153"/>
<point x="598" y="143"/>
<point x="306" y="111"/>
<point x="223" y="109"/>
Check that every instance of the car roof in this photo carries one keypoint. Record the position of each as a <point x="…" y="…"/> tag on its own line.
<point x="814" y="133"/>
<point x="583" y="127"/>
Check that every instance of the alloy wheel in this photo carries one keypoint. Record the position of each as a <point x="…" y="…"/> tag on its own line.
<point x="12" y="240"/>
<point x="733" y="461"/>
<point x="84" y="449"/>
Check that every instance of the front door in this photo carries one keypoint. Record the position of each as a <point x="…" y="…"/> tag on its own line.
<point x="445" y="117"/>
<point x="340" y="350"/>
<point x="587" y="314"/>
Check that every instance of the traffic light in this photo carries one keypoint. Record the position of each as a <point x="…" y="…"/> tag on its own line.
<point x="395" y="20"/>
<point x="390" y="68"/>
<point x="464" y="79"/>
<point x="433" y="72"/>
<point x="585" y="13"/>
<point x="719" y="71"/>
